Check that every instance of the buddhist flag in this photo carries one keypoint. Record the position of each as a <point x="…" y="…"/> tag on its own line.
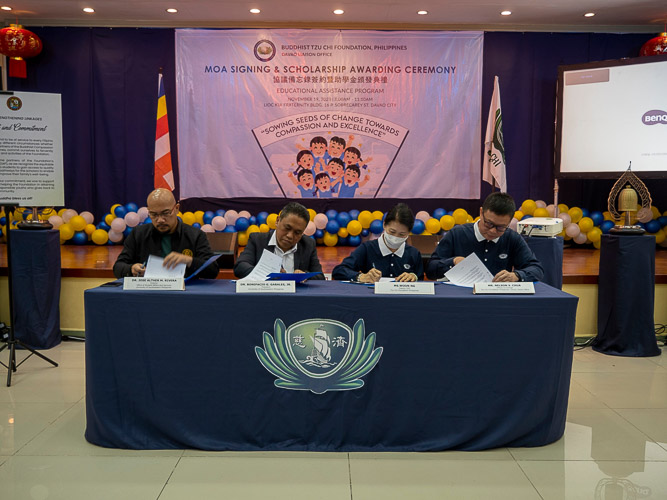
<point x="493" y="170"/>
<point x="164" y="175"/>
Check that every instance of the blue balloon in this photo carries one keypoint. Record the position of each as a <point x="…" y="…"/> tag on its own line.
<point x="585" y="212"/>
<point x="127" y="231"/>
<point x="208" y="217"/>
<point x="354" y="214"/>
<point x="332" y="227"/>
<point x="241" y="224"/>
<point x="131" y="207"/>
<point x="342" y="242"/>
<point x="220" y="212"/>
<point x="652" y="226"/>
<point x="438" y="213"/>
<point x="597" y="217"/>
<point x="261" y="217"/>
<point x="103" y="225"/>
<point x="526" y="217"/>
<point x="331" y="214"/>
<point x="450" y="212"/>
<point x="120" y="211"/>
<point x="229" y="229"/>
<point x="80" y="238"/>
<point x="252" y="220"/>
<point x="3" y="221"/>
<point x="662" y="220"/>
<point x="606" y="225"/>
<point x="197" y="225"/>
<point x="147" y="220"/>
<point x="419" y="227"/>
<point x="343" y="219"/>
<point x="319" y="233"/>
<point x="376" y="227"/>
<point x="364" y="232"/>
<point x="354" y="241"/>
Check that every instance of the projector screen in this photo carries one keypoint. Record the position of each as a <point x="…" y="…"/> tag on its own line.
<point x="609" y="114"/>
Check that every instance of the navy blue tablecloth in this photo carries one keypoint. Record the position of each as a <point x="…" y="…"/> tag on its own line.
<point x="457" y="371"/>
<point x="549" y="251"/>
<point x="36" y="287"/>
<point x="626" y="296"/>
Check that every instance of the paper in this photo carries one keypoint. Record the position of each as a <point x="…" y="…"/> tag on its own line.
<point x="155" y="269"/>
<point x="468" y="272"/>
<point x="269" y="263"/>
<point x="204" y="265"/>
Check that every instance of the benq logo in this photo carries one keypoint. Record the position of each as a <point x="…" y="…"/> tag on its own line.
<point x="654" y="116"/>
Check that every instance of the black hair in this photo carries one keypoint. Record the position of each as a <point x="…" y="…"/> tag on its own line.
<point x="499" y="203"/>
<point x="303" y="172"/>
<point x="294" y="208"/>
<point x="402" y="214"/>
<point x="301" y="154"/>
<point x="318" y="140"/>
<point x="338" y="161"/>
<point x="339" y="140"/>
<point x="354" y="150"/>
<point x="354" y="168"/>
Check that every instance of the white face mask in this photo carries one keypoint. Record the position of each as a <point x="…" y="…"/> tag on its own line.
<point x="393" y="241"/>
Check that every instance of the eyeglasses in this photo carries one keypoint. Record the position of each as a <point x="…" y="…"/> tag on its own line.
<point x="161" y="215"/>
<point x="498" y="227"/>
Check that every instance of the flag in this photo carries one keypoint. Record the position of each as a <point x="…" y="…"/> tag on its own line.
<point x="494" y="150"/>
<point x="164" y="175"/>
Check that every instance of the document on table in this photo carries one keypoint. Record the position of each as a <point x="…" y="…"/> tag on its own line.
<point x="155" y="269"/>
<point x="211" y="259"/>
<point x="468" y="272"/>
<point x="269" y="263"/>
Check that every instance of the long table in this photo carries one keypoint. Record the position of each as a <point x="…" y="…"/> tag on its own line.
<point x="452" y="370"/>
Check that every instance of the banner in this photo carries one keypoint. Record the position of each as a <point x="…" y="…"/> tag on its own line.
<point x="328" y="114"/>
<point x="493" y="170"/>
<point x="163" y="173"/>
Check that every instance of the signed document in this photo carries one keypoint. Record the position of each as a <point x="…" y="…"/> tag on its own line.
<point x="268" y="264"/>
<point x="468" y="272"/>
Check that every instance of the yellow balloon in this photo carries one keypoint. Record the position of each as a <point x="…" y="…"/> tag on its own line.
<point x="433" y="226"/>
<point x="253" y="228"/>
<point x="100" y="237"/>
<point x="426" y="233"/>
<point x="562" y="207"/>
<point x="460" y="216"/>
<point x="447" y="222"/>
<point x="377" y="215"/>
<point x="594" y="234"/>
<point x="188" y="218"/>
<point x="655" y="212"/>
<point x="264" y="228"/>
<point x="354" y="227"/>
<point x="242" y="238"/>
<point x="608" y="216"/>
<point x="470" y="219"/>
<point x="597" y="244"/>
<point x="61" y="211"/>
<point x="90" y="229"/>
<point x="541" y="212"/>
<point x="113" y="207"/>
<point x="66" y="231"/>
<point x="518" y="215"/>
<point x="330" y="240"/>
<point x="271" y="220"/>
<point x="586" y="224"/>
<point x="78" y="223"/>
<point x="343" y="233"/>
<point x="660" y="236"/>
<point x="312" y="213"/>
<point x="575" y="214"/>
<point x="365" y="218"/>
<point x="108" y="218"/>
<point x="528" y="207"/>
<point x="199" y="217"/>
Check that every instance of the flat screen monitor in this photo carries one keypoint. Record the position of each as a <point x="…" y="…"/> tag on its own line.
<point x="611" y="114"/>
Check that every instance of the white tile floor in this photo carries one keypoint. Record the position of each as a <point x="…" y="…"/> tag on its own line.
<point x="615" y="447"/>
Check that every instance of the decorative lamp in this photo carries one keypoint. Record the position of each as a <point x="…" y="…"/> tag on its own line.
<point x="655" y="46"/>
<point x="18" y="43"/>
<point x="624" y="195"/>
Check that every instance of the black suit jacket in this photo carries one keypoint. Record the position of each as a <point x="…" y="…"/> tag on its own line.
<point x="305" y="257"/>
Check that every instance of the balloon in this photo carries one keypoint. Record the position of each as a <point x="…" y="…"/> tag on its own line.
<point x="562" y="207"/>
<point x="365" y="217"/>
<point x="343" y="218"/>
<point x="528" y="207"/>
<point x="594" y="234"/>
<point x="513" y="223"/>
<point x="103" y="225"/>
<point x="229" y="229"/>
<point x="653" y="226"/>
<point x="662" y="220"/>
<point x="539" y="204"/>
<point x="253" y="228"/>
<point x="207" y="228"/>
<point x="127" y="231"/>
<point x="586" y="224"/>
<point x="99" y="237"/>
<point x="365" y="232"/>
<point x="552" y="210"/>
<point x="119" y="211"/>
<point x="354" y="228"/>
<point x="460" y="216"/>
<point x="188" y="218"/>
<point x="422" y="215"/>
<point x="311" y="214"/>
<point x="607" y="216"/>
<point x="56" y="221"/>
<point x="330" y="240"/>
<point x="108" y="218"/>
<point x="655" y="212"/>
<point x="89" y="229"/>
<point x="89" y="218"/>
<point x="319" y="234"/>
<point x="118" y="225"/>
<point x="219" y="223"/>
<point x="143" y="213"/>
<point x="68" y="214"/>
<point x="132" y="219"/>
<point x="332" y="227"/>
<point x="541" y="212"/>
<point x="660" y="237"/>
<point x="354" y="214"/>
<point x="241" y="223"/>
<point x="309" y="231"/>
<point x="261" y="217"/>
<point x="220" y="212"/>
<point x="376" y="227"/>
<point x="242" y="238"/>
<point x="597" y="217"/>
<point x="447" y="222"/>
<point x="115" y="236"/>
<point x="131" y="207"/>
<point x="270" y="220"/>
<point x="377" y="215"/>
<point x="231" y="216"/>
<point x="199" y="216"/>
<point x="264" y="228"/>
<point x="580" y="239"/>
<point x="80" y="238"/>
<point x="419" y="227"/>
<point x="518" y="215"/>
<point x="354" y="241"/>
<point x="342" y="232"/>
<point x="606" y="225"/>
<point x="572" y="230"/>
<point x="575" y="214"/>
<point x="438" y="213"/>
<point x="331" y="214"/>
<point x="565" y="217"/>
<point x="433" y="226"/>
<point x="66" y="231"/>
<point x="584" y="212"/>
<point x="320" y="221"/>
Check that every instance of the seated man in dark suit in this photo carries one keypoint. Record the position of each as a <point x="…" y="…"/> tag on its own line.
<point x="299" y="254"/>
<point x="166" y="237"/>
<point x="503" y="251"/>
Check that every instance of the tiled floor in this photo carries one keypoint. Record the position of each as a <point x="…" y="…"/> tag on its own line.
<point x="615" y="447"/>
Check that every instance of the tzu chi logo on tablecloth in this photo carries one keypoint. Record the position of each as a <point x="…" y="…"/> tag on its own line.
<point x="319" y="355"/>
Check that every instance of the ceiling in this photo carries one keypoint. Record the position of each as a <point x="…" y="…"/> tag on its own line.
<point x="527" y="15"/>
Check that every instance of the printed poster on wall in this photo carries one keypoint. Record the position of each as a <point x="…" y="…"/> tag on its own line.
<point x="328" y="114"/>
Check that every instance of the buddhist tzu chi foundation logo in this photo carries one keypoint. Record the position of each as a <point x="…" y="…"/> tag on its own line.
<point x="319" y="355"/>
<point x="14" y="103"/>
<point x="265" y="50"/>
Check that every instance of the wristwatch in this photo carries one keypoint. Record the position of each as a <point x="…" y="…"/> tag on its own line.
<point x="517" y="275"/>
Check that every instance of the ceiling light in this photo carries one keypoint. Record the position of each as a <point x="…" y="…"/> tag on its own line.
<point x="506" y="13"/>
<point x="422" y="12"/>
<point x="255" y="11"/>
<point x="172" y="11"/>
<point x="89" y="10"/>
<point x="589" y="14"/>
<point x="4" y="7"/>
<point x="338" y="12"/>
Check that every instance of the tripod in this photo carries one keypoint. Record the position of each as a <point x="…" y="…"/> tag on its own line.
<point x="13" y="342"/>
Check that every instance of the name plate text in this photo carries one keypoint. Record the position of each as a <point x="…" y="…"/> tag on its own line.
<point x="153" y="284"/>
<point x="403" y="288"/>
<point x="520" y="287"/>
<point x="265" y="287"/>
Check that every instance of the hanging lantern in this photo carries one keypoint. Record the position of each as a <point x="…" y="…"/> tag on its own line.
<point x="18" y="43"/>
<point x="655" y="46"/>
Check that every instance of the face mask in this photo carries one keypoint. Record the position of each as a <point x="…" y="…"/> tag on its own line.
<point x="393" y="241"/>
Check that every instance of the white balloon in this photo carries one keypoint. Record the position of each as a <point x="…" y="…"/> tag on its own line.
<point x="88" y="216"/>
<point x="513" y="223"/>
<point x="423" y="216"/>
<point x="572" y="230"/>
<point x="143" y="213"/>
<point x="320" y="221"/>
<point x="114" y="236"/>
<point x="310" y="229"/>
<point x="131" y="219"/>
<point x="565" y="217"/>
<point x="218" y="223"/>
<point x="551" y="209"/>
<point x="581" y="238"/>
<point x="68" y="214"/>
<point x="56" y="221"/>
<point x="118" y="225"/>
<point x="231" y="216"/>
<point x="540" y="204"/>
<point x="244" y="213"/>
<point x="207" y="228"/>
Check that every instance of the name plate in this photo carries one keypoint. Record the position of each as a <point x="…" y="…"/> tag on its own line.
<point x="520" y="287"/>
<point x="153" y="284"/>
<point x="265" y="287"/>
<point x="403" y="288"/>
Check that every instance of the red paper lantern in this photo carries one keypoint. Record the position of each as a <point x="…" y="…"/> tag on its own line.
<point x="655" y="46"/>
<point x="18" y="43"/>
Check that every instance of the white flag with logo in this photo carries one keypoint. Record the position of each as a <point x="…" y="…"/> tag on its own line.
<point x="494" y="149"/>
